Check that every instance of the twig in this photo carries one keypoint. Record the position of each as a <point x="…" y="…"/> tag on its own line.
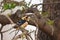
<point x="1" y="36"/>
<point x="27" y="37"/>
<point x="12" y="31"/>
<point x="1" y="33"/>
<point x="26" y="34"/>
<point x="45" y="4"/>
<point x="7" y="30"/>
<point x="30" y="37"/>
<point x="15" y="35"/>
<point x="9" y="19"/>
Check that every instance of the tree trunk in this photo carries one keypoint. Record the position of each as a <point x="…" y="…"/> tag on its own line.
<point x="54" y="14"/>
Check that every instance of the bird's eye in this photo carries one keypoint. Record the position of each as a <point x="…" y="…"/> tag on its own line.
<point x="26" y="17"/>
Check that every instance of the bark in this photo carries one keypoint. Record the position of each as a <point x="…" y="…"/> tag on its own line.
<point x="54" y="11"/>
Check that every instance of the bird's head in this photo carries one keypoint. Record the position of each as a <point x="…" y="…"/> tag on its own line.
<point x="27" y="18"/>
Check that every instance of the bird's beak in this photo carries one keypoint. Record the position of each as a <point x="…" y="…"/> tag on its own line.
<point x="24" y="17"/>
<point x="28" y="19"/>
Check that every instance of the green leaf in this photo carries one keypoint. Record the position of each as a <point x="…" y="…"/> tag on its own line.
<point x="6" y="6"/>
<point x="50" y="22"/>
<point x="13" y="5"/>
<point x="45" y="14"/>
<point x="9" y="6"/>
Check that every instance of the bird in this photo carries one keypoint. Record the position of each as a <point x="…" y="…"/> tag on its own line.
<point x="23" y="22"/>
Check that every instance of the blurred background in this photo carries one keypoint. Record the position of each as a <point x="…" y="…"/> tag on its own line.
<point x="30" y="28"/>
